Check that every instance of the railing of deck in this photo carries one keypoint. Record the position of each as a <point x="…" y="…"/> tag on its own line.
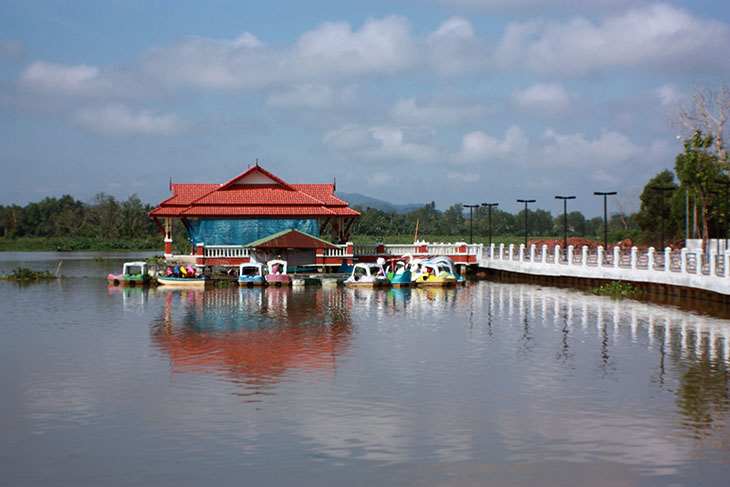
<point x="688" y="268"/>
<point x="225" y="251"/>
<point x="403" y="249"/>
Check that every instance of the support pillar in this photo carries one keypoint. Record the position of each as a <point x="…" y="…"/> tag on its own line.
<point x="168" y="238"/>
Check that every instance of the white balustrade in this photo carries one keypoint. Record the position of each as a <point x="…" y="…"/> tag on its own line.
<point x="225" y="251"/>
<point x="687" y="268"/>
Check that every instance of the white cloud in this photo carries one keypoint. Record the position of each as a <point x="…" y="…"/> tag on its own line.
<point x="379" y="143"/>
<point x="478" y="146"/>
<point x="442" y="109"/>
<point x="381" y="46"/>
<point x="658" y="36"/>
<point x="309" y="96"/>
<point x="76" y="81"/>
<point x="543" y="96"/>
<point x="212" y="63"/>
<point x="462" y="177"/>
<point x="612" y="149"/>
<point x="668" y="95"/>
<point x="379" y="179"/>
<point x="395" y="146"/>
<point x="56" y="78"/>
<point x="331" y="51"/>
<point x="453" y="50"/>
<point x="119" y="120"/>
<point x="538" y="4"/>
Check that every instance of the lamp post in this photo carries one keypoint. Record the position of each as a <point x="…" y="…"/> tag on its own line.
<point x="489" y="206"/>
<point x="662" y="190"/>
<point x="565" y="218"/>
<point x="724" y="226"/>
<point x="471" y="221"/>
<point x="525" y="202"/>
<point x="605" y="215"/>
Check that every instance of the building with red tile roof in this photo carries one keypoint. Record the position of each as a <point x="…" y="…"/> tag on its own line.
<point x="252" y="206"/>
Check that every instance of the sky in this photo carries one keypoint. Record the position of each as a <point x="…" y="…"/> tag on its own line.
<point x="451" y="101"/>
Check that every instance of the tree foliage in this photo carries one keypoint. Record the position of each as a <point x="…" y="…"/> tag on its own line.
<point x="655" y="213"/>
<point x="699" y="169"/>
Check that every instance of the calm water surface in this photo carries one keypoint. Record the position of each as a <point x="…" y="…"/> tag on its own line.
<point x="491" y="384"/>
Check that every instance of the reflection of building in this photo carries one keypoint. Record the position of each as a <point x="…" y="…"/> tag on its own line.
<point x="253" y="336"/>
<point x="255" y="212"/>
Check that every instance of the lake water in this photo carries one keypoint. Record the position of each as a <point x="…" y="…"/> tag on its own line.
<point x="489" y="384"/>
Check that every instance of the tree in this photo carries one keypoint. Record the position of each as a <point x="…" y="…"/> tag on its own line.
<point x="698" y="168"/>
<point x="427" y="217"/>
<point x="453" y="222"/>
<point x="706" y="111"/>
<point x="576" y="223"/>
<point x="104" y="215"/>
<point x="655" y="212"/>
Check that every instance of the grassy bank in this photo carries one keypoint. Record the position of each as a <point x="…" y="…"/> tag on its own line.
<point x="51" y="244"/>
<point x="36" y="244"/>
<point x="408" y="239"/>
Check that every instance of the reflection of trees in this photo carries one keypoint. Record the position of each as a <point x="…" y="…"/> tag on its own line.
<point x="703" y="395"/>
<point x="253" y="337"/>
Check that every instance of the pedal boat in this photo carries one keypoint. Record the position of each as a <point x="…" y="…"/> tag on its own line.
<point x="398" y="273"/>
<point x="429" y="274"/>
<point x="184" y="282"/>
<point x="276" y="273"/>
<point x="133" y="274"/>
<point x="446" y="264"/>
<point x="251" y="274"/>
<point x="367" y="275"/>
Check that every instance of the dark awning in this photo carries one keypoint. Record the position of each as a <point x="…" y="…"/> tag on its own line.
<point x="291" y="239"/>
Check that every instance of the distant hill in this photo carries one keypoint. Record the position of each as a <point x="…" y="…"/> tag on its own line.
<point x="357" y="199"/>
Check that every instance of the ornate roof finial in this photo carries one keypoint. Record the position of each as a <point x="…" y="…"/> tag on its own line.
<point x="257" y="162"/>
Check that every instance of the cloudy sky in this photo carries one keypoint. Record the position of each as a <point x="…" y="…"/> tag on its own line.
<point x="409" y="101"/>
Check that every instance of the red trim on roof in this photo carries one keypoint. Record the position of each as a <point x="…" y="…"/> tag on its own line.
<point x="275" y="200"/>
<point x="252" y="170"/>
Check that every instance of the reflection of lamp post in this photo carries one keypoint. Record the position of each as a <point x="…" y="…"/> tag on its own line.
<point x="662" y="190"/>
<point x="565" y="217"/>
<point x="605" y="216"/>
<point x="525" y="202"/>
<point x="471" y="221"/>
<point x="490" y="205"/>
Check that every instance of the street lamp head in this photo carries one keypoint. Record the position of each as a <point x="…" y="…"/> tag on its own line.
<point x="525" y="201"/>
<point x="565" y="197"/>
<point x="601" y="193"/>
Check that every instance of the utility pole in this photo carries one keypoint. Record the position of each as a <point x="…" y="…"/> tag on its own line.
<point x="565" y="218"/>
<point x="489" y="206"/>
<point x="605" y="216"/>
<point x="525" y="202"/>
<point x="471" y="221"/>
<point x="662" y="190"/>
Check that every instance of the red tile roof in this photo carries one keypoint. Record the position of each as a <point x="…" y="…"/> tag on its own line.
<point x="255" y="193"/>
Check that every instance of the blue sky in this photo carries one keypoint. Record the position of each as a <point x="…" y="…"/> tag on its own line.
<point x="409" y="101"/>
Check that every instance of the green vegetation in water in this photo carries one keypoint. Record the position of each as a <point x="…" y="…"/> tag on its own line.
<point x="25" y="274"/>
<point x="157" y="261"/>
<point x="618" y="290"/>
<point x="225" y="283"/>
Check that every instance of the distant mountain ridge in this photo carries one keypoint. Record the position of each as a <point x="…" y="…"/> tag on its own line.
<point x="357" y="199"/>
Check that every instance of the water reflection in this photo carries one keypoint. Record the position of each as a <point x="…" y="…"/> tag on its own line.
<point x="253" y="337"/>
<point x="696" y="346"/>
<point x="540" y="374"/>
<point x="132" y="297"/>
